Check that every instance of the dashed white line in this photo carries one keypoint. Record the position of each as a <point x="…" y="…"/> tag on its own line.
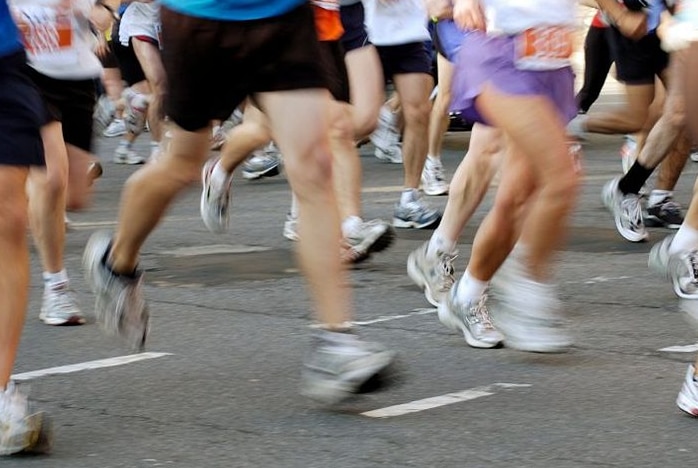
<point x="388" y="318"/>
<point x="441" y="400"/>
<point x="681" y="349"/>
<point x="89" y="365"/>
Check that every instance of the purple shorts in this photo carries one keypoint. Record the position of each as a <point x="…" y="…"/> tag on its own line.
<point x="484" y="60"/>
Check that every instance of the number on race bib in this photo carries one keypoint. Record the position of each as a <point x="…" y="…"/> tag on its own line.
<point x="544" y="48"/>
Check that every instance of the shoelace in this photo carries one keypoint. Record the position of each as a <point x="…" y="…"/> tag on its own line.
<point x="693" y="262"/>
<point x="445" y="270"/>
<point x="482" y="313"/>
<point x="632" y="210"/>
<point x="437" y="171"/>
<point x="64" y="300"/>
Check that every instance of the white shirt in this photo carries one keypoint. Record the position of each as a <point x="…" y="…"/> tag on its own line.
<point x="58" y="40"/>
<point x="396" y="22"/>
<point x="515" y="16"/>
<point x="140" y="19"/>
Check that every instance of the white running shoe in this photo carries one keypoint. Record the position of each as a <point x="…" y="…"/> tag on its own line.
<point x="103" y="113"/>
<point x="125" y="155"/>
<point x="333" y="371"/>
<point x="628" y="153"/>
<point x="527" y="312"/>
<point x="434" y="274"/>
<point x="415" y="214"/>
<point x="687" y="400"/>
<point x="215" y="201"/>
<point x="626" y="210"/>
<point x="59" y="306"/>
<point x="386" y="137"/>
<point x="472" y="319"/>
<point x="680" y="268"/>
<point x="370" y="237"/>
<point x="21" y="430"/>
<point x="116" y="128"/>
<point x="135" y="111"/>
<point x="291" y="228"/>
<point x="262" y="163"/>
<point x="433" y="180"/>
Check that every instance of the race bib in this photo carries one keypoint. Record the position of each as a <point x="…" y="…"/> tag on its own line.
<point x="544" y="48"/>
<point x="48" y="34"/>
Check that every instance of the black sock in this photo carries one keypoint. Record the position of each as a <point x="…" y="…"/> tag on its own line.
<point x="108" y="265"/>
<point x="636" y="177"/>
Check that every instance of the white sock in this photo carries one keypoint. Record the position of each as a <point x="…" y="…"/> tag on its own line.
<point x="439" y="243"/>
<point x="51" y="280"/>
<point x="686" y="239"/>
<point x="294" y="206"/>
<point x="350" y="225"/>
<point x="219" y="177"/>
<point x="408" y="195"/>
<point x="470" y="289"/>
<point x="657" y="196"/>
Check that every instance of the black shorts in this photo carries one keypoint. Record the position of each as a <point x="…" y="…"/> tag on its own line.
<point x="131" y="70"/>
<point x="21" y="115"/>
<point x="414" y="57"/>
<point x="214" y="65"/>
<point x="637" y="62"/>
<point x="70" y="102"/>
<point x="109" y="60"/>
<point x="355" y="35"/>
<point x="332" y="63"/>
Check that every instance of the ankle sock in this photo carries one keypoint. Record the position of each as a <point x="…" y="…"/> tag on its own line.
<point x="52" y="280"/>
<point x="686" y="239"/>
<point x="636" y="177"/>
<point x="470" y="289"/>
<point x="439" y="243"/>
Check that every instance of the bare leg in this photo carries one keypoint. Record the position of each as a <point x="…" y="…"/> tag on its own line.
<point x="366" y="87"/>
<point x="151" y="62"/>
<point x="347" y="165"/>
<point x="243" y="139"/>
<point x="438" y="121"/>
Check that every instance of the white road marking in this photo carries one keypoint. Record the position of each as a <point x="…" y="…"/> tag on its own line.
<point x="442" y="400"/>
<point x="215" y="249"/>
<point x="681" y="349"/>
<point x="600" y="279"/>
<point x="89" y="365"/>
<point x="388" y="318"/>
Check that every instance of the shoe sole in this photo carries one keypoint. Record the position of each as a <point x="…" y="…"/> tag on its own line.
<point x="215" y="228"/>
<point x="72" y="321"/>
<point x="271" y="172"/>
<point x="402" y="224"/>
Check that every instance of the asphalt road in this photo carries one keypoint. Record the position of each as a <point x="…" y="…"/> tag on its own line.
<point x="231" y="313"/>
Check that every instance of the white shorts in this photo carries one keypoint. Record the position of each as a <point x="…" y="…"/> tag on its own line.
<point x="140" y="19"/>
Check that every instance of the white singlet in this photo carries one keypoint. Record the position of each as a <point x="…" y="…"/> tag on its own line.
<point x="396" y="23"/>
<point x="510" y="17"/>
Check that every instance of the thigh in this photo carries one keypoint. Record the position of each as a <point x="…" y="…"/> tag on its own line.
<point x="150" y="60"/>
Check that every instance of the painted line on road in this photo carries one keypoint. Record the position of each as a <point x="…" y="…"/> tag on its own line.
<point x="442" y="400"/>
<point x="388" y="318"/>
<point x="89" y="365"/>
<point x="681" y="349"/>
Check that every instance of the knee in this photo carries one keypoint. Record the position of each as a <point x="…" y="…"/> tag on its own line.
<point x="365" y="123"/>
<point x="416" y="115"/>
<point x="309" y="168"/>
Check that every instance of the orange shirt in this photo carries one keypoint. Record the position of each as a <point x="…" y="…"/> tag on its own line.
<point x="327" y="21"/>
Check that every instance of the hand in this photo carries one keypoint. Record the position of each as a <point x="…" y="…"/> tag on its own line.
<point x="101" y="48"/>
<point x="468" y="14"/>
<point x="439" y="9"/>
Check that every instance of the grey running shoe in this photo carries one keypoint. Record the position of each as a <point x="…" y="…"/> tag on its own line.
<point x="472" y="319"/>
<point x="527" y="312"/>
<point x="333" y="372"/>
<point x="21" y="430"/>
<point x="386" y="137"/>
<point x="120" y="306"/>
<point x="215" y="201"/>
<point x="59" y="306"/>
<point x="218" y="139"/>
<point x="626" y="210"/>
<point x="103" y="113"/>
<point x="434" y="274"/>
<point x="680" y="268"/>
<point x="125" y="155"/>
<point x="433" y="179"/>
<point x="687" y="400"/>
<point x="371" y="237"/>
<point x="415" y="214"/>
<point x="666" y="213"/>
<point x="135" y="111"/>
<point x="262" y="163"/>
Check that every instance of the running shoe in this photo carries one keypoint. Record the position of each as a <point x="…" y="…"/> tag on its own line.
<point x="120" y="306"/>
<point x="526" y="312"/>
<point x="433" y="273"/>
<point x="125" y="155"/>
<point x="369" y="238"/>
<point x="262" y="163"/>
<point x="416" y="214"/>
<point x="218" y="139"/>
<point x="215" y="201"/>
<point x="103" y="113"/>
<point x="291" y="227"/>
<point x="59" y="306"/>
<point x="666" y="213"/>
<point x="694" y="155"/>
<point x="687" y="401"/>
<point x="386" y="137"/>
<point x="433" y="180"/>
<point x="472" y="319"/>
<point x="628" y="153"/>
<point x="626" y="210"/>
<point x="21" y="429"/>
<point x="135" y="111"/>
<point x="116" y="128"/>
<point x="680" y="268"/>
<point x="333" y="371"/>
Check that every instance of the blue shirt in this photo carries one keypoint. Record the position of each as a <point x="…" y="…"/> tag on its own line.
<point x="233" y="10"/>
<point x="653" y="15"/>
<point x="9" y="35"/>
